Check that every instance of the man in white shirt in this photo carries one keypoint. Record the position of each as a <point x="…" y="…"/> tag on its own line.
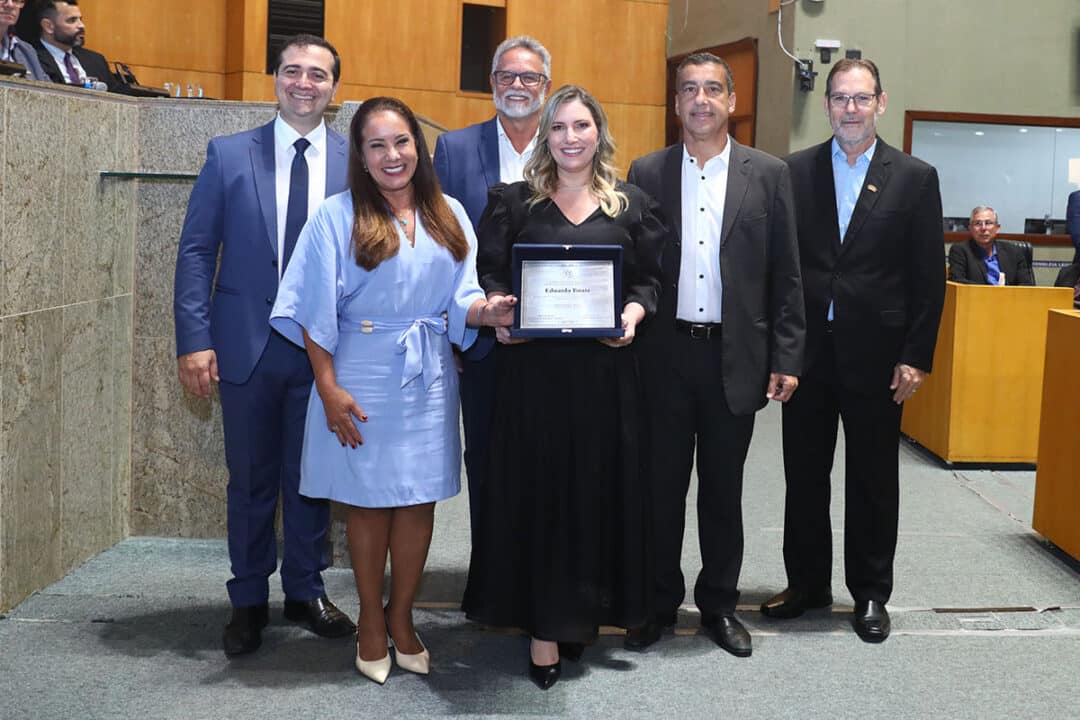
<point x="727" y="336"/>
<point x="468" y="162"/>
<point x="250" y="201"/>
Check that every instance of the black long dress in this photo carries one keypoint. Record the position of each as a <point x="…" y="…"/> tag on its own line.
<point x="565" y="538"/>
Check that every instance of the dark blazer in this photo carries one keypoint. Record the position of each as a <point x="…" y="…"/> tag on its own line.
<point x="763" y="317"/>
<point x="1072" y="222"/>
<point x="1068" y="276"/>
<point x="233" y="208"/>
<point x="886" y="278"/>
<point x="467" y="163"/>
<point x="93" y="63"/>
<point x="967" y="264"/>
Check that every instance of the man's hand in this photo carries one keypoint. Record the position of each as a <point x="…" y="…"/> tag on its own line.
<point x="905" y="381"/>
<point x="196" y="370"/>
<point x="781" y="387"/>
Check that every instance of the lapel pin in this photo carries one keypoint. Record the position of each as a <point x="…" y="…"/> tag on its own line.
<point x="872" y="188"/>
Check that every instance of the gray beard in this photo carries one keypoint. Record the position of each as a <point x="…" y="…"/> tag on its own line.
<point x="516" y="111"/>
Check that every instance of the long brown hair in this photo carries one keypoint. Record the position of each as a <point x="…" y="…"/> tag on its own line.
<point x="374" y="234"/>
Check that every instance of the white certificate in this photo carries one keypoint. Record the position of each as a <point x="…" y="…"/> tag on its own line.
<point x="558" y="294"/>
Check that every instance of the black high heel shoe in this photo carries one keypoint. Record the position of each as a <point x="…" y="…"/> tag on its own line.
<point x="571" y="650"/>
<point x="544" y="676"/>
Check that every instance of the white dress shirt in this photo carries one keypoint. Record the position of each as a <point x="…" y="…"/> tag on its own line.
<point x="284" y="152"/>
<point x="512" y="162"/>
<point x="703" y="193"/>
<point x="58" y="56"/>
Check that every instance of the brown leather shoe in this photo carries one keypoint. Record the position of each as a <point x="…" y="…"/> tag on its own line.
<point x="793" y="603"/>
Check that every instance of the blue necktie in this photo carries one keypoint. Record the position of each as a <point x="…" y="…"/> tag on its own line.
<point x="296" y="212"/>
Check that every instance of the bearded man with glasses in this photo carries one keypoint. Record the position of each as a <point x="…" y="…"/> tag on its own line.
<point x="468" y="162"/>
<point x="870" y="245"/>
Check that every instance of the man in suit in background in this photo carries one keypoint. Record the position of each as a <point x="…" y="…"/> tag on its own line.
<point x="60" y="48"/>
<point x="727" y="336"/>
<point x="250" y="201"/>
<point x="983" y="261"/>
<point x="870" y="242"/>
<point x="14" y="49"/>
<point x="1072" y="222"/>
<point x="468" y="162"/>
<point x="1069" y="276"/>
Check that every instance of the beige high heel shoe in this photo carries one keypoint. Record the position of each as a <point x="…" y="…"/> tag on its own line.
<point x="419" y="663"/>
<point x="377" y="670"/>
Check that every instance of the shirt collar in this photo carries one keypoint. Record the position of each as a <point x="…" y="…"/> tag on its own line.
<point x="838" y="153"/>
<point x="504" y="138"/>
<point x="285" y="135"/>
<point x="722" y="160"/>
<point x="56" y="52"/>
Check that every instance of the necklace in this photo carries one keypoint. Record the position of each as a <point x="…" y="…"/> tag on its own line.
<point x="403" y="218"/>
<point x="574" y="187"/>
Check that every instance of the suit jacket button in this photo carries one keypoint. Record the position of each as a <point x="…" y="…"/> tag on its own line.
<point x="269" y="301"/>
<point x="273" y="263"/>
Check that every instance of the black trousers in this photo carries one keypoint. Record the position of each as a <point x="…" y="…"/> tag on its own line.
<point x="686" y="407"/>
<point x="871" y="482"/>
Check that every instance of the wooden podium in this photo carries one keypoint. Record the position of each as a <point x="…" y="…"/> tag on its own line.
<point x="1057" y="482"/>
<point x="980" y="404"/>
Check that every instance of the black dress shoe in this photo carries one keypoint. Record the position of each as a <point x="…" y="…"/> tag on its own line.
<point x="728" y="633"/>
<point x="243" y="634"/>
<point x="642" y="637"/>
<point x="793" y="603"/>
<point x="320" y="616"/>
<point x="545" y="675"/>
<point x="571" y="650"/>
<point x="871" y="621"/>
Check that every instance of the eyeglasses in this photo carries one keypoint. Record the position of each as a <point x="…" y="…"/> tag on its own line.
<point x="863" y="100"/>
<point x="984" y="223"/>
<point x="528" y="79"/>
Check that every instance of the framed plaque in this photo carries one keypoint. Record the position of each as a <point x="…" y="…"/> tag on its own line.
<point x="567" y="291"/>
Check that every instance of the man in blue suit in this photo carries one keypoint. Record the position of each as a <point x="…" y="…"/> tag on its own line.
<point x="250" y="201"/>
<point x="468" y="162"/>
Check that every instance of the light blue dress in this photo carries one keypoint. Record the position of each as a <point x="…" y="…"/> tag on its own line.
<point x="389" y="330"/>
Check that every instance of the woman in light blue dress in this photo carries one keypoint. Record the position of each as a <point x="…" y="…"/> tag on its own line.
<point x="382" y="281"/>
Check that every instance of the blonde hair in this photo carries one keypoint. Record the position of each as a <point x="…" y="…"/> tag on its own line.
<point x="541" y="172"/>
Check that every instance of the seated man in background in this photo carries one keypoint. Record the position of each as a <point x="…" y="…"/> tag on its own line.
<point x="61" y="50"/>
<point x="981" y="261"/>
<point x="12" y="48"/>
<point x="1069" y="276"/>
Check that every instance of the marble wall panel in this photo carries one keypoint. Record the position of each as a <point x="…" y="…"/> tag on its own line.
<point x="121" y="368"/>
<point x="173" y="134"/>
<point x="88" y="426"/>
<point x="34" y="161"/>
<point x="123" y="229"/>
<point x="161" y="205"/>
<point x="178" y="453"/>
<point x="30" y="423"/>
<point x="88" y="203"/>
<point x="3" y="221"/>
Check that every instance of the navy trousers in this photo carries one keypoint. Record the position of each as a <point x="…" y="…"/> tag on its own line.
<point x="264" y="429"/>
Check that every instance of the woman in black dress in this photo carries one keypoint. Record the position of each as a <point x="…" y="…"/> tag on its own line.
<point x="564" y="545"/>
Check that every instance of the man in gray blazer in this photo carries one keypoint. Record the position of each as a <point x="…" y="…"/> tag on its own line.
<point x="727" y="337"/>
<point x="12" y="48"/>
